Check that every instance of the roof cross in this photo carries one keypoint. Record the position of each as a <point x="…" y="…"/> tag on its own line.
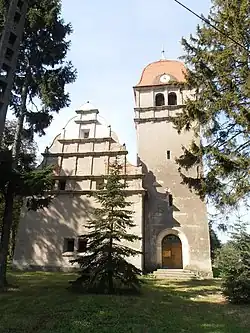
<point x="163" y="54"/>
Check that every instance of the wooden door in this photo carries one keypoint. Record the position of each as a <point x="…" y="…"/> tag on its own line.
<point x="171" y="252"/>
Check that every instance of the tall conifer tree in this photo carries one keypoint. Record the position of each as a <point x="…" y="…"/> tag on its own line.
<point x="219" y="73"/>
<point x="233" y="262"/>
<point x="40" y="79"/>
<point x="104" y="266"/>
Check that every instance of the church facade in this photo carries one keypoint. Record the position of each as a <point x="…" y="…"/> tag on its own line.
<point x="171" y="220"/>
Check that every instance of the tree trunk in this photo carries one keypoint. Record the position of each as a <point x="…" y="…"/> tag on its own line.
<point x="110" y="270"/>
<point x="5" y="236"/>
<point x="13" y="240"/>
<point x="110" y="275"/>
<point x="10" y="194"/>
<point x="18" y="135"/>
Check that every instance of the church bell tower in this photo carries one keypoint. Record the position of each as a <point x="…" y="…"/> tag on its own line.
<point x="176" y="233"/>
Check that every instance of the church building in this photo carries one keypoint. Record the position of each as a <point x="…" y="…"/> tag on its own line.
<point x="170" y="219"/>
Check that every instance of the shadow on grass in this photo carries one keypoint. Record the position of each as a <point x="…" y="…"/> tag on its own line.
<point x="183" y="289"/>
<point x="197" y="282"/>
<point x="43" y="304"/>
<point x="191" y="288"/>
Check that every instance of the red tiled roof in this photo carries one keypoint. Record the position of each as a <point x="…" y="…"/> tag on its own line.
<point x="154" y="70"/>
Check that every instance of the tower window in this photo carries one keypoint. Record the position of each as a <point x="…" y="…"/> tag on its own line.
<point x="84" y="133"/>
<point x="168" y="155"/>
<point x="172" y="98"/>
<point x="159" y="100"/>
<point x="82" y="244"/>
<point x="12" y="38"/>
<point x="170" y="200"/>
<point x="99" y="184"/>
<point x="3" y="86"/>
<point x="69" y="245"/>
<point x="62" y="185"/>
<point x="17" y="17"/>
<point x="4" y="71"/>
<point x="9" y="54"/>
<point x="20" y="4"/>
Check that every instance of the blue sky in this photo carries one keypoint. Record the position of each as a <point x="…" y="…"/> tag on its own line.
<point x="112" y="42"/>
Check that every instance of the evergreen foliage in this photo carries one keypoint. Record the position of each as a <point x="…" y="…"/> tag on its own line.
<point x="26" y="159"/>
<point x="42" y="71"/>
<point x="41" y="77"/>
<point x="215" y="243"/>
<point x="29" y="182"/>
<point x="104" y="266"/>
<point x="218" y="73"/>
<point x="233" y="262"/>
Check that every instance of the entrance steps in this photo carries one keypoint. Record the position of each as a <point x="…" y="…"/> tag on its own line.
<point x="175" y="274"/>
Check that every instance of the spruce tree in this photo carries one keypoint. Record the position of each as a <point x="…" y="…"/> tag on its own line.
<point x="218" y="71"/>
<point x="234" y="265"/>
<point x="40" y="79"/>
<point x="104" y="267"/>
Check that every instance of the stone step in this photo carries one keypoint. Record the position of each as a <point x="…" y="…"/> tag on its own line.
<point x="173" y="270"/>
<point x="184" y="275"/>
<point x="174" y="274"/>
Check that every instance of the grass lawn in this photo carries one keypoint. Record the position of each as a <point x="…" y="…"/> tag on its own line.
<point x="43" y="304"/>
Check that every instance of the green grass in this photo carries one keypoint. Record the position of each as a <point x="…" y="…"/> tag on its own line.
<point x="43" y="304"/>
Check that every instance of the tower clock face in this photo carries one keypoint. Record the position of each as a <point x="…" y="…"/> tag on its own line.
<point x="165" y="78"/>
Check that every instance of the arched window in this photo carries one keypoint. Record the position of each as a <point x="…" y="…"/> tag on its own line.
<point x="159" y="100"/>
<point x="172" y="98"/>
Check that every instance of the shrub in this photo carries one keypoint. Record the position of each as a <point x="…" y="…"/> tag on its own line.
<point x="233" y="261"/>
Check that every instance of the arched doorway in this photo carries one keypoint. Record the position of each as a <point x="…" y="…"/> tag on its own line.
<point x="172" y="252"/>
